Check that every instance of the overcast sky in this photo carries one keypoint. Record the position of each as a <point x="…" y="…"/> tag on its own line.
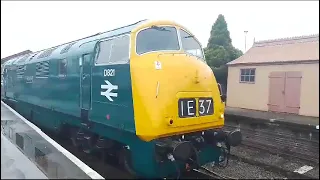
<point x="40" y="24"/>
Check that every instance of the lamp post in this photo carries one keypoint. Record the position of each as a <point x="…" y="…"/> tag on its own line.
<point x="245" y="40"/>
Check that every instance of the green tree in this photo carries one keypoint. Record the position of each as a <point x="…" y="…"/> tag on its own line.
<point x="216" y="56"/>
<point x="219" y="34"/>
<point x="219" y="50"/>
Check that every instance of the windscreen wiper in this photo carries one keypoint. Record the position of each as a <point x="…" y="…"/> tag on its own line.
<point x="159" y="28"/>
<point x="190" y="36"/>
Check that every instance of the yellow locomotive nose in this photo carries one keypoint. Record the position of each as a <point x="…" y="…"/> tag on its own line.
<point x="180" y="95"/>
<point x="193" y="82"/>
<point x="188" y="73"/>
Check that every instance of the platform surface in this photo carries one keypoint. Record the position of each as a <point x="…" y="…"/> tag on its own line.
<point x="15" y="165"/>
<point x="272" y="116"/>
<point x="28" y="153"/>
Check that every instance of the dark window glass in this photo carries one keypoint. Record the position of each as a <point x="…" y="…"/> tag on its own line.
<point x="251" y="78"/>
<point x="242" y="78"/>
<point x="157" y="39"/>
<point x="242" y="72"/>
<point x="252" y="71"/>
<point x="246" y="78"/>
<point x="63" y="67"/>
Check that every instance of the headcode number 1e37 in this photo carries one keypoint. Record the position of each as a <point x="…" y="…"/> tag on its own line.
<point x="187" y="107"/>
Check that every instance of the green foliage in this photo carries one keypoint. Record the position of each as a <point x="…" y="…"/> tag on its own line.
<point x="219" y="34"/>
<point x="219" y="50"/>
<point x="216" y="56"/>
<point x="221" y="74"/>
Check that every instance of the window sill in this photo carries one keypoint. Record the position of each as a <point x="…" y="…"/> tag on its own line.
<point x="244" y="82"/>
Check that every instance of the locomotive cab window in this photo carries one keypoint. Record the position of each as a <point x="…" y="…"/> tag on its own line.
<point x="62" y="65"/>
<point x="120" y="50"/>
<point x="113" y="51"/>
<point x="190" y="44"/>
<point x="157" y="38"/>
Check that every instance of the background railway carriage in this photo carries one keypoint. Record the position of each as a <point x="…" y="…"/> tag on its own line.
<point x="142" y="92"/>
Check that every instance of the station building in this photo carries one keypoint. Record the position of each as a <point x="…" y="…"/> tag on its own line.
<point x="279" y="75"/>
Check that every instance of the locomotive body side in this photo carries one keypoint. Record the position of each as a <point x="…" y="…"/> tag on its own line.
<point x="69" y="81"/>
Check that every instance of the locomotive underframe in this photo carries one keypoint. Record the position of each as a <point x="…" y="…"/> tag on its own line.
<point x="165" y="157"/>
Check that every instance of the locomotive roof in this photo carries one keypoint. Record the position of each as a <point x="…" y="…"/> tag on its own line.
<point x="87" y="44"/>
<point x="62" y="50"/>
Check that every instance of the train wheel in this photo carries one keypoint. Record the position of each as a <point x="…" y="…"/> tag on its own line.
<point x="89" y="143"/>
<point x="74" y="138"/>
<point x="126" y="162"/>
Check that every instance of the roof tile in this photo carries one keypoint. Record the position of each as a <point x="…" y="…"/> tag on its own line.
<point x="303" y="48"/>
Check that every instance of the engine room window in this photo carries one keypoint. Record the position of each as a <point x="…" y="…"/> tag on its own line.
<point x="42" y="69"/>
<point x="157" y="39"/>
<point x="190" y="44"/>
<point x="114" y="51"/>
<point x="247" y="75"/>
<point x="63" y="67"/>
<point x="21" y="70"/>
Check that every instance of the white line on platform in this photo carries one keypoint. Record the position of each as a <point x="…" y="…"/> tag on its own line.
<point x="303" y="169"/>
<point x="90" y="172"/>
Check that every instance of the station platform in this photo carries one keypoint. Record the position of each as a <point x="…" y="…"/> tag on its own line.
<point x="15" y="165"/>
<point x="281" y="118"/>
<point x="28" y="153"/>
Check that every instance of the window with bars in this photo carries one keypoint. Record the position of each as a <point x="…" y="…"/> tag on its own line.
<point x="20" y="71"/>
<point x="42" y="69"/>
<point x="248" y="75"/>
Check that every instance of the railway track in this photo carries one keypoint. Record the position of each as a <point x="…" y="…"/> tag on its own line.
<point x="204" y="173"/>
<point x="285" y="143"/>
<point x="276" y="151"/>
<point x="271" y="167"/>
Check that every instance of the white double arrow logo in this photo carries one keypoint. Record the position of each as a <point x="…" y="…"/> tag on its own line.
<point x="109" y="87"/>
